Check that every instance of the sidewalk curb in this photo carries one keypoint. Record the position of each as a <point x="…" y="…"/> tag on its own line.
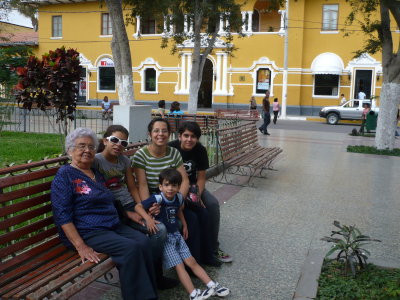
<point x="307" y="285"/>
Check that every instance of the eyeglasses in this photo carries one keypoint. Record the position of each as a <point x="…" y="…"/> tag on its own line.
<point x="115" y="140"/>
<point x="83" y="147"/>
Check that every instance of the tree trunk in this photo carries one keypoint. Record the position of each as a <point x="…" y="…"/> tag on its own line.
<point x="195" y="82"/>
<point x="121" y="54"/>
<point x="387" y="118"/>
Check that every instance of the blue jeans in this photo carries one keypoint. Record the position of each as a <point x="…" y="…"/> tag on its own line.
<point x="267" y="120"/>
<point x="130" y="251"/>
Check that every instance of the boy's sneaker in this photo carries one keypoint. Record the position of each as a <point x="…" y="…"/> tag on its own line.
<point x="223" y="257"/>
<point x="207" y="293"/>
<point x="220" y="291"/>
<point x="197" y="296"/>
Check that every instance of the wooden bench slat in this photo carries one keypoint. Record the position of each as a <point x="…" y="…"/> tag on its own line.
<point x="18" y="277"/>
<point x="23" y="205"/>
<point x="23" y="178"/>
<point x="24" y="192"/>
<point x="55" y="268"/>
<point x="6" y="223"/>
<point x="28" y="254"/>
<point x="68" y="276"/>
<point x="16" y="234"/>
<point x="23" y="244"/>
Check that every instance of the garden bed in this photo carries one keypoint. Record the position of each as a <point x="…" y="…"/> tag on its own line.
<point x="373" y="150"/>
<point x="370" y="283"/>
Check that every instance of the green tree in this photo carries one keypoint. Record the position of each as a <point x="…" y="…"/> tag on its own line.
<point x="374" y="18"/>
<point x="10" y="59"/>
<point x="51" y="81"/>
<point x="24" y="8"/>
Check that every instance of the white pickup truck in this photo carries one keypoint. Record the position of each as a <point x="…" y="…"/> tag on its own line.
<point x="351" y="110"/>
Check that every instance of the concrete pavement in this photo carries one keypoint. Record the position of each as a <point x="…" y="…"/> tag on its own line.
<point x="269" y="229"/>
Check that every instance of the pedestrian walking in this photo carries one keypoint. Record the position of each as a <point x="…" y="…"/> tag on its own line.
<point x="276" y="109"/>
<point x="267" y="117"/>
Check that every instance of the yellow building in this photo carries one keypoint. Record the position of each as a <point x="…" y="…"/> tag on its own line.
<point x="320" y="64"/>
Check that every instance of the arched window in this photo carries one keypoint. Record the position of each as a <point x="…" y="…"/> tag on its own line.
<point x="106" y="75"/>
<point x="255" y="27"/>
<point x="150" y="80"/>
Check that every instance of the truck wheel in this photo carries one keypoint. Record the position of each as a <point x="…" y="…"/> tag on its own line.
<point x="332" y="119"/>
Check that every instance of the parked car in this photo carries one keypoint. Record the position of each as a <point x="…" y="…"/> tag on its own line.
<point x="351" y="110"/>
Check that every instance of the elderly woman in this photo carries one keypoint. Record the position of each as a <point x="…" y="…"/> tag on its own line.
<point x="88" y="221"/>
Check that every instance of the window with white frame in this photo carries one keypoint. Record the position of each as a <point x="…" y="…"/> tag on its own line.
<point x="106" y="26"/>
<point x="106" y="75"/>
<point x="330" y="17"/>
<point x="56" y="26"/>
<point x="263" y="80"/>
<point x="150" y="80"/>
<point x="326" y="85"/>
<point x="148" y="26"/>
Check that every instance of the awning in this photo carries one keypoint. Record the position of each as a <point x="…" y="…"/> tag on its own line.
<point x="327" y="63"/>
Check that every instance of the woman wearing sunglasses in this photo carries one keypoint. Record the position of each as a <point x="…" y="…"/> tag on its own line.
<point x="117" y="171"/>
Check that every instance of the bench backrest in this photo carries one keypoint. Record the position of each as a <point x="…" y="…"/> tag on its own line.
<point x="26" y="224"/>
<point x="237" y="139"/>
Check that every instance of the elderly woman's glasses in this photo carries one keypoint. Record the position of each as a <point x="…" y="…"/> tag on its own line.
<point x="83" y="147"/>
<point x="115" y="140"/>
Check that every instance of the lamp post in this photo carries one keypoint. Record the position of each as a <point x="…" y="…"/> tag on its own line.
<point x="285" y="62"/>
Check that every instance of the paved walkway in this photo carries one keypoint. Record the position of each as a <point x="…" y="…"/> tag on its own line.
<point x="269" y="229"/>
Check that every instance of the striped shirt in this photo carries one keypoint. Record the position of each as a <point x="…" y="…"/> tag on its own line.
<point x="154" y="165"/>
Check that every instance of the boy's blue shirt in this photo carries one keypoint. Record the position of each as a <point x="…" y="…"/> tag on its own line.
<point x="168" y="209"/>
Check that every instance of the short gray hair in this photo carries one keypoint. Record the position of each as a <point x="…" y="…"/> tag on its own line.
<point x="78" y="133"/>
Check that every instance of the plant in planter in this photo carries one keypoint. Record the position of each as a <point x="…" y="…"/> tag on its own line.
<point x="349" y="242"/>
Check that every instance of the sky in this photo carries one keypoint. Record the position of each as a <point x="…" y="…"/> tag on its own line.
<point x="16" y="18"/>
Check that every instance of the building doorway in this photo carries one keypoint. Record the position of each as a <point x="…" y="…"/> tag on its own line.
<point x="82" y="86"/>
<point x="363" y="82"/>
<point x="205" y="91"/>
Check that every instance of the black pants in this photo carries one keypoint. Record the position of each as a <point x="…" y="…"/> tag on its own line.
<point x="276" y="112"/>
<point x="130" y="250"/>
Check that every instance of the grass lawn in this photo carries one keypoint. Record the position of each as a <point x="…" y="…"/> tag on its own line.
<point x="18" y="147"/>
<point x="373" y="283"/>
<point x="373" y="150"/>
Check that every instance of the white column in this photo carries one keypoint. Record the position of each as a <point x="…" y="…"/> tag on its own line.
<point x="171" y="27"/>
<point x="221" y="24"/>
<point x="218" y="73"/>
<point x="137" y="26"/>
<point x="227" y="22"/>
<point x="224" y="72"/>
<point x="244" y="21"/>
<point x="282" y="27"/>
<point x="183" y="72"/>
<point x="185" y="26"/>
<point x="165" y="30"/>
<point x="189" y="69"/>
<point x="250" y="21"/>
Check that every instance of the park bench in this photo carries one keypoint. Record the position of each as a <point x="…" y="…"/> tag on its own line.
<point x="34" y="262"/>
<point x="242" y="154"/>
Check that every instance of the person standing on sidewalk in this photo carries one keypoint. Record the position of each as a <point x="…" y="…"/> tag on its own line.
<point x="267" y="116"/>
<point x="195" y="160"/>
<point x="276" y="109"/>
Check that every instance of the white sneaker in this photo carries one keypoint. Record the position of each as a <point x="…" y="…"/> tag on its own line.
<point x="202" y="295"/>
<point x="220" y="291"/>
<point x="207" y="293"/>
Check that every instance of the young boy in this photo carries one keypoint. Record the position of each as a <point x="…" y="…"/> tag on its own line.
<point x="176" y="252"/>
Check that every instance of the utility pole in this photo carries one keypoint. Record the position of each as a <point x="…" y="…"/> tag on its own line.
<point x="285" y="62"/>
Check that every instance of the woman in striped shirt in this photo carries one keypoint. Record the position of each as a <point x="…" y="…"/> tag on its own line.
<point x="150" y="160"/>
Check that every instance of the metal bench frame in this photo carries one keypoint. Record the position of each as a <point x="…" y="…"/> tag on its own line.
<point x="242" y="154"/>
